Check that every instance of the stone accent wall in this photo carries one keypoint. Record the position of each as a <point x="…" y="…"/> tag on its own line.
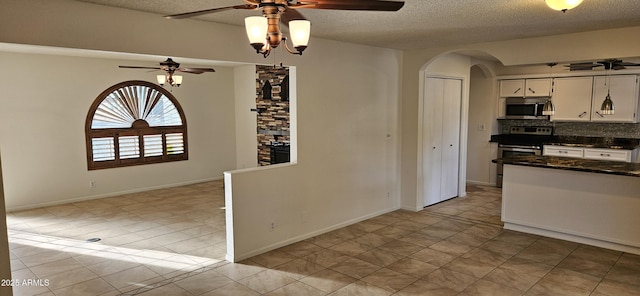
<point x="273" y="113"/>
<point x="583" y="129"/>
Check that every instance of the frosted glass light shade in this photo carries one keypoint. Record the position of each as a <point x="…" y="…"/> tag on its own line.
<point x="177" y="80"/>
<point x="562" y="5"/>
<point x="256" y="27"/>
<point x="161" y="79"/>
<point x="300" y="31"/>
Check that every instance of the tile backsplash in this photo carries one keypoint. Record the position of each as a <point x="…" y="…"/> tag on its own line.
<point x="585" y="129"/>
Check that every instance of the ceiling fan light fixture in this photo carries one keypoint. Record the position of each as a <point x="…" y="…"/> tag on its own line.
<point x="562" y="5"/>
<point x="161" y="79"/>
<point x="300" y="30"/>
<point x="256" y="27"/>
<point x="177" y="80"/>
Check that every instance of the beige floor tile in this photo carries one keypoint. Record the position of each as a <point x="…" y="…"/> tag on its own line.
<point x="267" y="281"/>
<point x="233" y="289"/>
<point x="91" y="287"/>
<point x="204" y="282"/>
<point x="614" y="288"/>
<point x="169" y="289"/>
<point x="132" y="276"/>
<point x="70" y="277"/>
<point x="54" y="267"/>
<point x="299" y="268"/>
<point x="511" y="278"/>
<point x="150" y="246"/>
<point x="450" y="279"/>
<point x="295" y="289"/>
<point x="361" y="288"/>
<point x="328" y="280"/>
<point x="482" y="288"/>
<point x="389" y="280"/>
<point x="421" y="287"/>
<point x="355" y="268"/>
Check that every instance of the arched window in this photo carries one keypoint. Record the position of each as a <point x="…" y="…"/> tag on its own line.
<point x="133" y="123"/>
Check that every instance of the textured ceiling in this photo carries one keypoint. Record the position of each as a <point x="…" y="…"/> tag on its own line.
<point x="427" y="23"/>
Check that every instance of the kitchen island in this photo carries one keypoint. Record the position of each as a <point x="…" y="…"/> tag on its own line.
<point x="593" y="202"/>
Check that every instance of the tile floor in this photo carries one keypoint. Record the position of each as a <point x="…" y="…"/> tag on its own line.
<point x="151" y="246"/>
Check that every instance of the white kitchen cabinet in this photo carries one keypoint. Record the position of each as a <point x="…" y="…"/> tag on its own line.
<point x="535" y="87"/>
<point x="572" y="98"/>
<point x="624" y="94"/>
<point x="441" y="139"/>
<point x="502" y="107"/>
<point x="562" y="151"/>
<point x="625" y="155"/>
<point x="512" y="88"/>
<point x="539" y="87"/>
<point x="608" y="154"/>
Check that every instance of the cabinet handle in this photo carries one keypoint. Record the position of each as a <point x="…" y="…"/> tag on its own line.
<point x="582" y="114"/>
<point x="532" y="91"/>
<point x="602" y="116"/>
<point x="605" y="154"/>
<point x="434" y="148"/>
<point x="450" y="145"/>
<point x="517" y="90"/>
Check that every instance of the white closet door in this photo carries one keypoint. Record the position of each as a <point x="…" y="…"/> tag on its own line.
<point x="450" y="138"/>
<point x="441" y="139"/>
<point x="432" y="140"/>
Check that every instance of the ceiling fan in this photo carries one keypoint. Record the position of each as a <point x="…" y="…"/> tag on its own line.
<point x="286" y="10"/>
<point x="170" y="67"/>
<point x="609" y="64"/>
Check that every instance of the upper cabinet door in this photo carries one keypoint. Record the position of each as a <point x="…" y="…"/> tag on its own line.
<point x="540" y="87"/>
<point x="572" y="98"/>
<point x="512" y="88"/>
<point x="624" y="94"/>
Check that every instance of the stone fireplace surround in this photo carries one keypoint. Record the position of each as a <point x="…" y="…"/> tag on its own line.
<point x="273" y="109"/>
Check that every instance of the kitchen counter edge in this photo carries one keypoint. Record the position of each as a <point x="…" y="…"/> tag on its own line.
<point x="575" y="164"/>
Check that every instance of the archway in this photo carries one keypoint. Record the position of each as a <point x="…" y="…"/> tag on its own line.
<point x="455" y="65"/>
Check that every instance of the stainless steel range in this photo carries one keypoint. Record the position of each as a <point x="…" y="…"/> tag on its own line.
<point x="521" y="140"/>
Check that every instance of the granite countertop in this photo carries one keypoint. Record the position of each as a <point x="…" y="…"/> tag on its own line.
<point x="575" y="164"/>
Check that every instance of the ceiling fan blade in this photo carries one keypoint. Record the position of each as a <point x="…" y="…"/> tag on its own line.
<point x="291" y="15"/>
<point x="137" y="67"/>
<point x="628" y="64"/>
<point x="377" y="5"/>
<point x="207" y="11"/>
<point x="195" y="70"/>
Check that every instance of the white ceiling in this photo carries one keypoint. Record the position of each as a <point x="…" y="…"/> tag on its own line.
<point x="426" y="23"/>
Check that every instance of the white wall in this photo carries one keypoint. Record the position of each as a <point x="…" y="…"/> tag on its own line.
<point x="246" y="120"/>
<point x="43" y="108"/>
<point x="481" y="119"/>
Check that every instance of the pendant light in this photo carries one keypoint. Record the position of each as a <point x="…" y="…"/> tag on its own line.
<point x="549" y="108"/>
<point x="607" y="107"/>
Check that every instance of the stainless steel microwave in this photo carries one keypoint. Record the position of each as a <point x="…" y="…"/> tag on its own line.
<point x="525" y="108"/>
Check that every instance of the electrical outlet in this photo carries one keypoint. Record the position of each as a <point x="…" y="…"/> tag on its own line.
<point x="92" y="184"/>
<point x="272" y="226"/>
